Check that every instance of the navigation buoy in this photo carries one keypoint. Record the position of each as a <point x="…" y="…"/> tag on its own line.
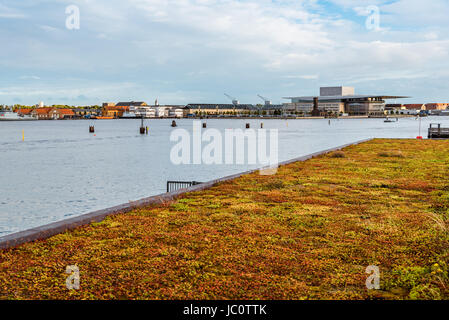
<point x="173" y="124"/>
<point x="247" y="126"/>
<point x="23" y="135"/>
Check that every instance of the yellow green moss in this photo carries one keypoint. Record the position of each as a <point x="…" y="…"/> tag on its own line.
<point x="308" y="232"/>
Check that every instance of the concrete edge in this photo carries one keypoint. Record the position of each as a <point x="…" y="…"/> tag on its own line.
<point x="49" y="230"/>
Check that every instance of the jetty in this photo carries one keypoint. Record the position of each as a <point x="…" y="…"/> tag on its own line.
<point x="436" y="131"/>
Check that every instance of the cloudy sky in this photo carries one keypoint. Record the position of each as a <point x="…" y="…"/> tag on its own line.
<point x="185" y="51"/>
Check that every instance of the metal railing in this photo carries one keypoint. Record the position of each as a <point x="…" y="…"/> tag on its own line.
<point x="178" y="185"/>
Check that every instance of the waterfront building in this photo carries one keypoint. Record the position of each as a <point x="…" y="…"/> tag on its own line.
<point x="61" y="114"/>
<point x="117" y="110"/>
<point x="437" y="106"/>
<point x="41" y="113"/>
<point x="339" y="100"/>
<point x="114" y="112"/>
<point x="218" y="109"/>
<point x="144" y="111"/>
<point x="393" y="107"/>
<point x="415" y="106"/>
<point x="131" y="104"/>
<point x="162" y="111"/>
<point x="85" y="112"/>
<point x="24" y="112"/>
<point x="182" y="112"/>
<point x="433" y="108"/>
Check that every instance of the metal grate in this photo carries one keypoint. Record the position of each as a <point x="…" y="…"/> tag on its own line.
<point x="177" y="185"/>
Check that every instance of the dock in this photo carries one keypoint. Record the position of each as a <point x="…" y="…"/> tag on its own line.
<point x="438" y="132"/>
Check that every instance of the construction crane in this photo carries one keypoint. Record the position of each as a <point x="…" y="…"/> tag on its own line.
<point x="235" y="102"/>
<point x="265" y="100"/>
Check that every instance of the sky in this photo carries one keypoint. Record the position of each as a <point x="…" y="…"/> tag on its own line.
<point x="194" y="51"/>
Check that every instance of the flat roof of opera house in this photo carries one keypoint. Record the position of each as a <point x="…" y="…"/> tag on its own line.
<point x="338" y="98"/>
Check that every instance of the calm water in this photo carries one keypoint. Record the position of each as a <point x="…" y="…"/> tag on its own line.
<point x="61" y="170"/>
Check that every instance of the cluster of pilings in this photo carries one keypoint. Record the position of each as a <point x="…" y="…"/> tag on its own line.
<point x="144" y="130"/>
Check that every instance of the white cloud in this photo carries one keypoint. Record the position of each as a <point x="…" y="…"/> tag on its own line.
<point x="171" y="47"/>
<point x="29" y="78"/>
<point x="10" y="13"/>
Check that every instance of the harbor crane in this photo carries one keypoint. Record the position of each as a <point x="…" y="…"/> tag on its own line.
<point x="235" y="102"/>
<point x="265" y="100"/>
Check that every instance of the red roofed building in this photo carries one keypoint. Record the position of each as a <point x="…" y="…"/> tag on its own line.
<point x="437" y="106"/>
<point x="23" y="112"/>
<point x="414" y="107"/>
<point x="60" y="114"/>
<point x="41" y="113"/>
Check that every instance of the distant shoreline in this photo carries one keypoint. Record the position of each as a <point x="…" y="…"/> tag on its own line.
<point x="263" y="118"/>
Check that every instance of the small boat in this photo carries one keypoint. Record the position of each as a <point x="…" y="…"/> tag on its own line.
<point x="104" y="118"/>
<point x="128" y="115"/>
<point x="388" y="120"/>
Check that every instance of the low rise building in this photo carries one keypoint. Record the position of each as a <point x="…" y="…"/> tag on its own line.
<point x="218" y="109"/>
<point x="41" y="113"/>
<point x="182" y="112"/>
<point x="61" y="114"/>
<point x="114" y="112"/>
<point x="117" y="110"/>
<point x="144" y="111"/>
<point x="340" y="100"/>
<point x="437" y="106"/>
<point x="85" y="112"/>
<point x="24" y="112"/>
<point x="414" y="106"/>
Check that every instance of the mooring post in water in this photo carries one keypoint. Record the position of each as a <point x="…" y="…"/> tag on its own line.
<point x="146" y="130"/>
<point x="247" y="126"/>
<point x="142" y="128"/>
<point x="173" y="124"/>
<point x="261" y="125"/>
<point x="204" y="125"/>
